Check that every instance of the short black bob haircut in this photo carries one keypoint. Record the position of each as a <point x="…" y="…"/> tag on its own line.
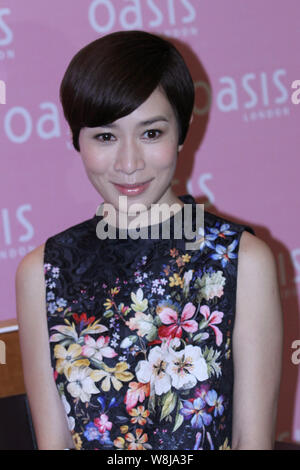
<point x="112" y="76"/>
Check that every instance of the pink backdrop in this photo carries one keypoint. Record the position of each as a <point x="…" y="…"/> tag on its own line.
<point x="241" y="157"/>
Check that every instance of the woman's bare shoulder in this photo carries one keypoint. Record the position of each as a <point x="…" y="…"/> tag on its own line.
<point x="32" y="264"/>
<point x="255" y="249"/>
<point x="257" y="278"/>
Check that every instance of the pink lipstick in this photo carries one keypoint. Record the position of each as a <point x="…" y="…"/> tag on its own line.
<point x="132" y="189"/>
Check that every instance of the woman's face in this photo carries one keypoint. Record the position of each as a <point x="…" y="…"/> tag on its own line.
<point x="130" y="151"/>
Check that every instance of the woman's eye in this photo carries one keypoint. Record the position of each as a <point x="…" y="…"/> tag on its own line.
<point x="105" y="137"/>
<point x="153" y="133"/>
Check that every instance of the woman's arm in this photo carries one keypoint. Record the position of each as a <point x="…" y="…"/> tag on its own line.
<point x="257" y="346"/>
<point x="47" y="410"/>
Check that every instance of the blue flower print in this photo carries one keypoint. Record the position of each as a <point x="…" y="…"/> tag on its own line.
<point x="225" y="253"/>
<point x="212" y="399"/>
<point x="91" y="432"/>
<point x="197" y="410"/>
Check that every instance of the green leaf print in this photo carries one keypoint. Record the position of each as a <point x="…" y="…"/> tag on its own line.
<point x="179" y="418"/>
<point x="168" y="404"/>
<point x="211" y="356"/>
<point x="108" y="313"/>
<point x="140" y="304"/>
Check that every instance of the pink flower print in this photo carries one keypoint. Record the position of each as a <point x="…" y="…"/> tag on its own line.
<point x="175" y="324"/>
<point x="97" y="349"/>
<point x="102" y="423"/>
<point x="213" y="319"/>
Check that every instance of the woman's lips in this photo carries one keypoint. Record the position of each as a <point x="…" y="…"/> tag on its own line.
<point x="132" y="189"/>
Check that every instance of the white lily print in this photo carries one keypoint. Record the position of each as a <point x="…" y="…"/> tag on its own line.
<point x="82" y="382"/>
<point x="154" y="371"/>
<point x="186" y="367"/>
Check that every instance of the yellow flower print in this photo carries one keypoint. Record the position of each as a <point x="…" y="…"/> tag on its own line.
<point x="66" y="358"/>
<point x="115" y="375"/>
<point x="175" y="280"/>
<point x="139" y="415"/>
<point x="186" y="258"/>
<point x="124" y="429"/>
<point x="136" y="442"/>
<point x="119" y="442"/>
<point x="132" y="442"/>
<point x="77" y="441"/>
<point x="225" y="445"/>
<point x="115" y="291"/>
<point x="108" y="304"/>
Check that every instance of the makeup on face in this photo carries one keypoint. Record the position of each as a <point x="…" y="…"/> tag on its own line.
<point x="133" y="189"/>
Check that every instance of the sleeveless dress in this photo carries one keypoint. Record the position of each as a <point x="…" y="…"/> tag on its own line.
<point x="140" y="335"/>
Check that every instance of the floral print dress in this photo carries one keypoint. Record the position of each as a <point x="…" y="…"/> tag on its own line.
<point x="140" y="335"/>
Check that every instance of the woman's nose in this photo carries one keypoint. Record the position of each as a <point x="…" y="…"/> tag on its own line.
<point x="129" y="158"/>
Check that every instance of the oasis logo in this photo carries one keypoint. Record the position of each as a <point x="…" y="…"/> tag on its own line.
<point x="6" y="36"/>
<point x="260" y="95"/>
<point x="255" y="87"/>
<point x="2" y="92"/>
<point x="257" y="95"/>
<point x="16" y="244"/>
<point x="104" y="15"/>
<point x="4" y="29"/>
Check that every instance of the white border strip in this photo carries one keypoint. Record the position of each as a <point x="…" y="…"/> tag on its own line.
<point x="7" y="329"/>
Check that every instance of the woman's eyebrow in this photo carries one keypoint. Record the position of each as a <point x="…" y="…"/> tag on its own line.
<point x="142" y="123"/>
<point x="152" y="120"/>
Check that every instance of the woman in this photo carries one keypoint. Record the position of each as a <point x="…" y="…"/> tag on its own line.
<point x="133" y="343"/>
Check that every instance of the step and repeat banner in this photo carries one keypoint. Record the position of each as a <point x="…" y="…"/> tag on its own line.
<point x="241" y="156"/>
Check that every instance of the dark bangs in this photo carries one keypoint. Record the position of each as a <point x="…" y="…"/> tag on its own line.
<point x="113" y="75"/>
